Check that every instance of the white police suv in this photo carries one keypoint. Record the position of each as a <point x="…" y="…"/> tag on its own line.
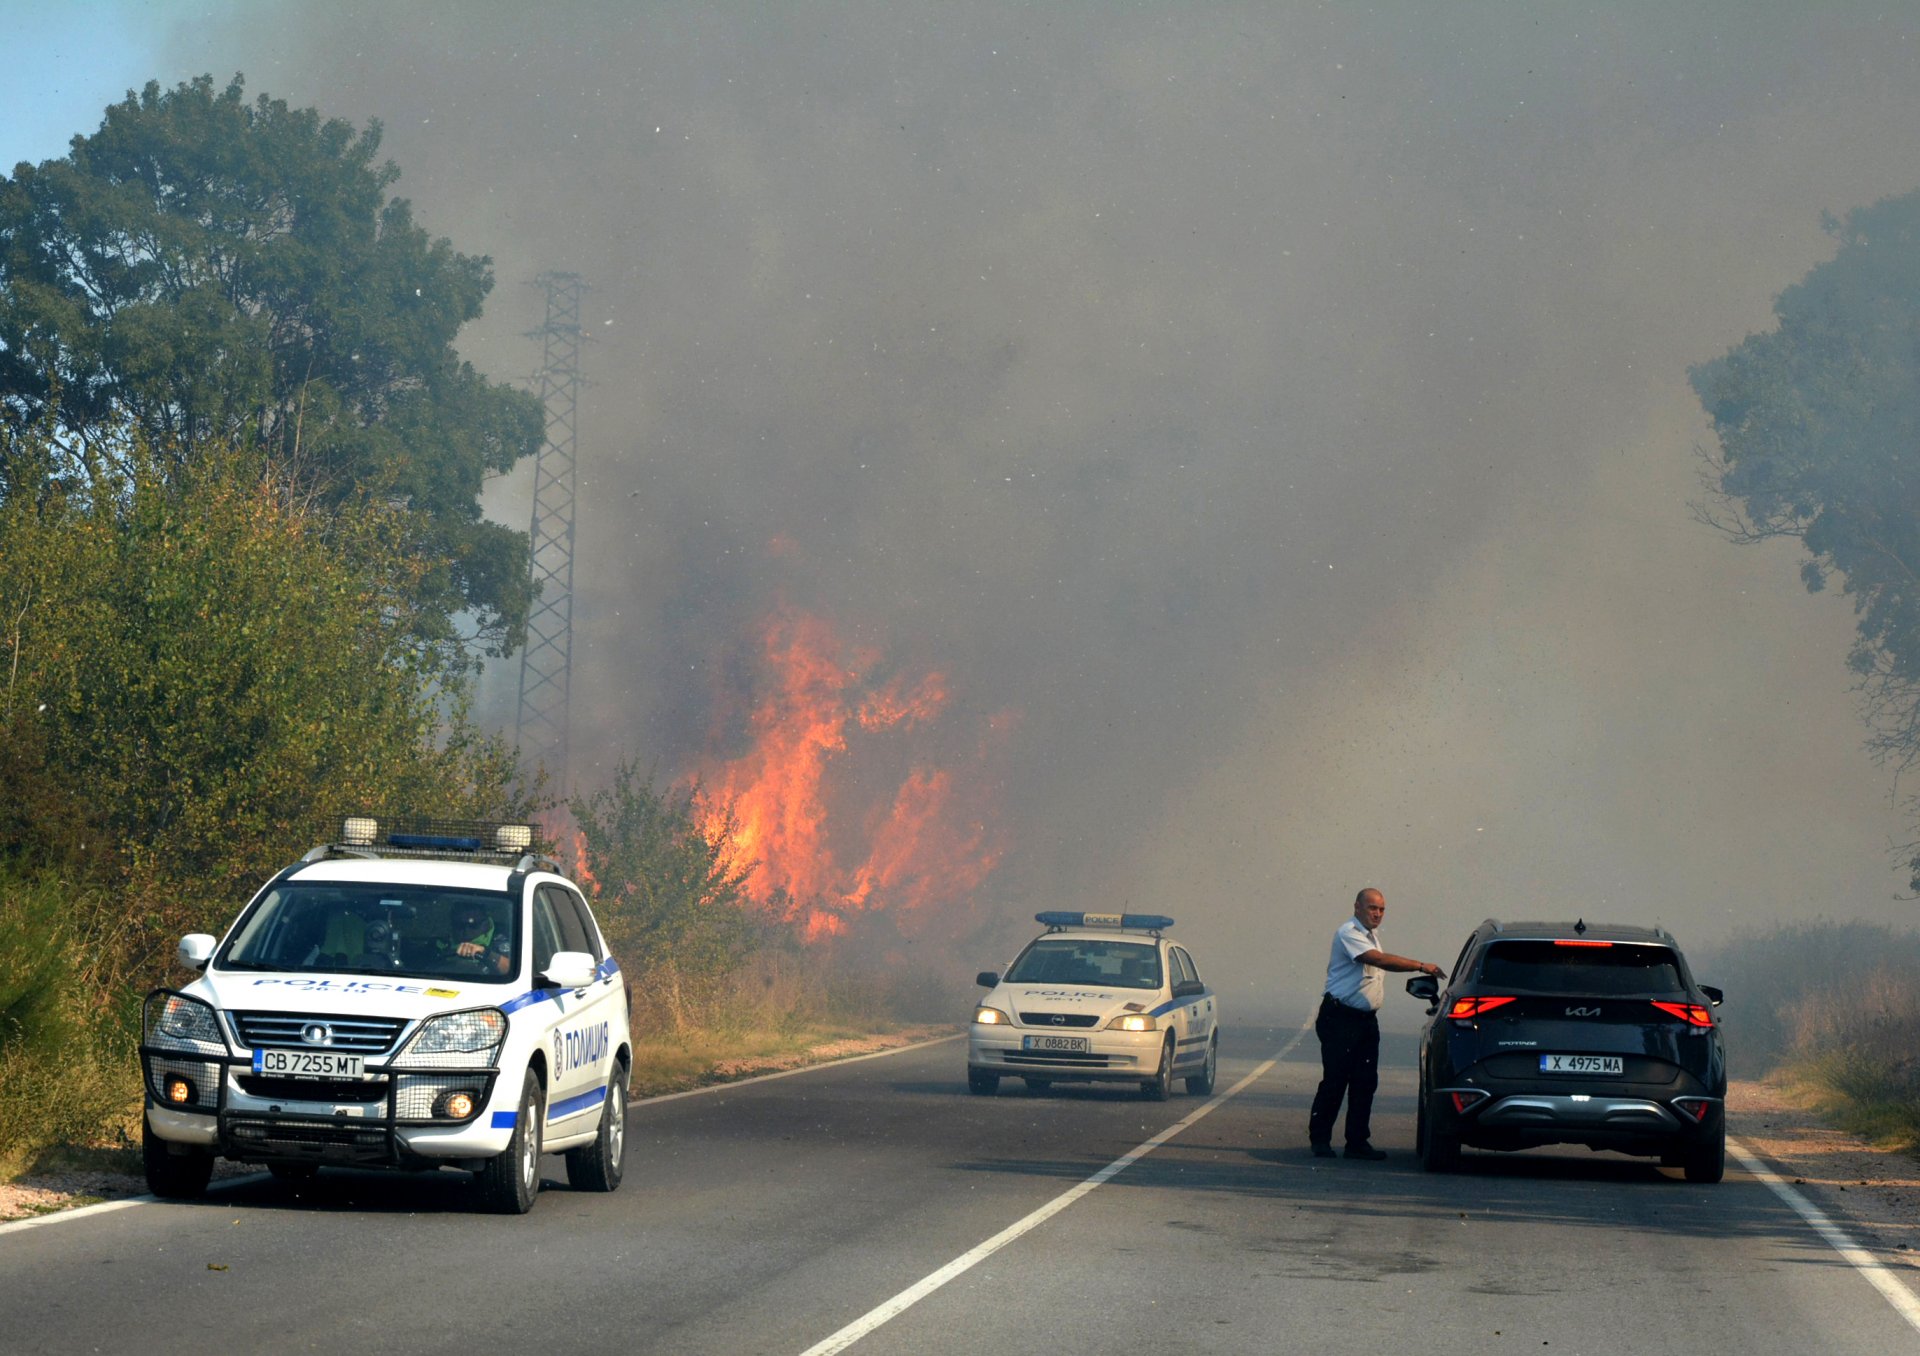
<point x="412" y="995"/>
<point x="1097" y="997"/>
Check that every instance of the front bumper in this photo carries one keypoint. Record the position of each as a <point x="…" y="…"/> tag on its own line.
<point x="1111" y="1056"/>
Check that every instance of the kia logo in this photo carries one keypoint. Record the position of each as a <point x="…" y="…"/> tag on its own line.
<point x="1583" y="1012"/>
<point x="317" y="1033"/>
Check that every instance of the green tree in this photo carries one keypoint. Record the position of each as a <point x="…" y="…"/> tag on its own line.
<point x="1818" y="425"/>
<point x="667" y="894"/>
<point x="202" y="666"/>
<point x="203" y="271"/>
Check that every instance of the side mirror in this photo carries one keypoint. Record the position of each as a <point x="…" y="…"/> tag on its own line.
<point x="1427" y="989"/>
<point x="195" y="950"/>
<point x="986" y="979"/>
<point x="1714" y="996"/>
<point x="569" y="970"/>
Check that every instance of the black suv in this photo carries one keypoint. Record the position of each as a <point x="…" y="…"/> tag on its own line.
<point x="1572" y="1033"/>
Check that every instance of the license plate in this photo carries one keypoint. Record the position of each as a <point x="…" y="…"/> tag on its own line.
<point x="1582" y="1064"/>
<point x="1078" y="1045"/>
<point x="308" y="1064"/>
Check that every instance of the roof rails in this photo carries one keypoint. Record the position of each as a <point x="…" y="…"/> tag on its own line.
<point x="461" y="840"/>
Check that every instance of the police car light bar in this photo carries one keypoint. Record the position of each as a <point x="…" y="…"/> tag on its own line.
<point x="1061" y="918"/>
<point x="426" y="836"/>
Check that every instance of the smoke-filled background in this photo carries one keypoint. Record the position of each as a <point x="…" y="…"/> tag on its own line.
<point x="1259" y="435"/>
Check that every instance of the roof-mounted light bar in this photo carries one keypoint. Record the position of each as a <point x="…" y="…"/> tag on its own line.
<point x="416" y="836"/>
<point x="1143" y="922"/>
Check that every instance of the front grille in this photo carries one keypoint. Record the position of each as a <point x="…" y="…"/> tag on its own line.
<point x="1058" y="1019"/>
<point x="314" y="1089"/>
<point x="354" y="1035"/>
<point x="1059" y="1057"/>
<point x="315" y="1140"/>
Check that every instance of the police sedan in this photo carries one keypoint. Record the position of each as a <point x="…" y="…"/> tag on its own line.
<point x="1097" y="997"/>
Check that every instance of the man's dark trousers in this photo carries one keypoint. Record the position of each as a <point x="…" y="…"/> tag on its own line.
<point x="1350" y="1067"/>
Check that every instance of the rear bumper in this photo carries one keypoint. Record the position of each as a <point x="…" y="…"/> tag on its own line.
<point x="1625" y="1123"/>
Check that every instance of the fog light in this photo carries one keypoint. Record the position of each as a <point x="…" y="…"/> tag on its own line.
<point x="359" y="831"/>
<point x="513" y="837"/>
<point x="456" y="1106"/>
<point x="179" y="1090"/>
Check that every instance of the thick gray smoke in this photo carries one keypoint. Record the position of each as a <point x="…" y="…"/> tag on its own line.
<point x="1283" y="409"/>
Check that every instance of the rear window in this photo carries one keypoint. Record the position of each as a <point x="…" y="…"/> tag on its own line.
<point x="1616" y="971"/>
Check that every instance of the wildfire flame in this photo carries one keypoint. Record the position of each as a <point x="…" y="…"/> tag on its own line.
<point x="833" y="835"/>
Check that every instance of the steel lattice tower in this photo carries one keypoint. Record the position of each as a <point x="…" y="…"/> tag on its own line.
<point x="546" y="664"/>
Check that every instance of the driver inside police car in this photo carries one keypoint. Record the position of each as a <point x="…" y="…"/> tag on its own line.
<point x="471" y="934"/>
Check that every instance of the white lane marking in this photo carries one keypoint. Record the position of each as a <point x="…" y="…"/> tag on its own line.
<point x="1862" y="1261"/>
<point x="790" y="1073"/>
<point x="913" y="1294"/>
<point x="62" y="1216"/>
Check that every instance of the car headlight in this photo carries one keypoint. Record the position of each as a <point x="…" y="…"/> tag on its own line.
<point x="176" y="1022"/>
<point x="465" y="1040"/>
<point x="986" y="1016"/>
<point x="1134" y="1021"/>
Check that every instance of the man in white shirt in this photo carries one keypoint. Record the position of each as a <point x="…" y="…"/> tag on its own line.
<point x="1349" y="1027"/>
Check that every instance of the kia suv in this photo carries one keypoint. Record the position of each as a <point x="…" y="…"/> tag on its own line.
<point x="1572" y="1033"/>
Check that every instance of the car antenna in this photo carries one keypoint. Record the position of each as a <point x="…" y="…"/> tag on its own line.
<point x="1579" y="925"/>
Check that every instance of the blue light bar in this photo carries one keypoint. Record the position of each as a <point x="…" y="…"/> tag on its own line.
<point x="1061" y="918"/>
<point x="434" y="842"/>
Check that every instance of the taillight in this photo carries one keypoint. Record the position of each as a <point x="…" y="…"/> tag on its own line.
<point x="1475" y="1007"/>
<point x="1462" y="1099"/>
<point x="1690" y="1013"/>
<point x="1696" y="1107"/>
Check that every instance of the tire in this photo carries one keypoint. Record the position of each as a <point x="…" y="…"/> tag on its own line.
<point x="1038" y="1085"/>
<point x="1707" y="1163"/>
<point x="1438" y="1152"/>
<point x="294" y="1172"/>
<point x="981" y="1083"/>
<point x="173" y="1175"/>
<point x="508" y="1184"/>
<point x="1160" y="1087"/>
<point x="1201" y="1084"/>
<point x="598" y="1166"/>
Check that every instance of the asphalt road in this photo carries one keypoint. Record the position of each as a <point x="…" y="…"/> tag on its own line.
<point x="774" y="1215"/>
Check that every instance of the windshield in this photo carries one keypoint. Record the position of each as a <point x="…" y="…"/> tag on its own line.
<point x="412" y="931"/>
<point x="1617" y="971"/>
<point x="1089" y="961"/>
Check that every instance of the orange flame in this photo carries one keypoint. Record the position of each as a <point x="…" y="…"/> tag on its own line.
<point x="791" y="803"/>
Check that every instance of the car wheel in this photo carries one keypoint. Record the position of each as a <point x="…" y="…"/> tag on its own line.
<point x="1201" y="1084"/>
<point x="508" y="1183"/>
<point x="171" y="1174"/>
<point x="1438" y="1152"/>
<point x="1039" y="1084"/>
<point x="982" y="1084"/>
<point x="1707" y="1162"/>
<point x="598" y="1166"/>
<point x="294" y="1172"/>
<point x="1160" y="1087"/>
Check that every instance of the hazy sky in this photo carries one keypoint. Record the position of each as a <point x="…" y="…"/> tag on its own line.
<point x="1275" y="416"/>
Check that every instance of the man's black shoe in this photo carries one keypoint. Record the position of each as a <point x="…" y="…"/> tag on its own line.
<point x="1366" y="1151"/>
<point x="1322" y="1150"/>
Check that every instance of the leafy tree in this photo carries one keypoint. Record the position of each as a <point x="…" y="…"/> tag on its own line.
<point x="206" y="666"/>
<point x="1818" y="424"/>
<point x="667" y="893"/>
<point x="203" y="272"/>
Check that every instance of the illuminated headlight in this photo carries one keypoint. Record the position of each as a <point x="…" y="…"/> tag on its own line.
<point x="464" y="1039"/>
<point x="179" y="1091"/>
<point x="513" y="837"/>
<point x="986" y="1016"/>
<point x="175" y="1022"/>
<point x="359" y="831"/>
<point x="1134" y="1021"/>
